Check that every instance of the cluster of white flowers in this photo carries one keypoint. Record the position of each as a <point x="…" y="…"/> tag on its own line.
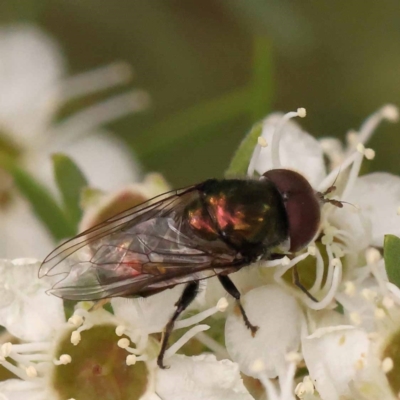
<point x="346" y="345"/>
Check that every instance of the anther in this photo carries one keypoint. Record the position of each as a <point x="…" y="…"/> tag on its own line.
<point x="131" y="359"/>
<point x="350" y="288"/>
<point x="387" y="365"/>
<point x="5" y="349"/>
<point x="120" y="330"/>
<point x="76" y="320"/>
<point x="63" y="360"/>
<point x="311" y="250"/>
<point x="75" y="337"/>
<point x="285" y="261"/>
<point x="372" y="256"/>
<point x="369" y="154"/>
<point x="293" y="357"/>
<point x="398" y="210"/>
<point x="258" y="366"/>
<point x="31" y="372"/>
<point x="123" y="343"/>
<point x="301" y="112"/>
<point x="390" y="112"/>
<point x="262" y="142"/>
<point x="222" y="304"/>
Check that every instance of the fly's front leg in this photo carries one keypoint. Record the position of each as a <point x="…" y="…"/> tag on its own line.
<point x="230" y="287"/>
<point x="187" y="296"/>
<point x="296" y="280"/>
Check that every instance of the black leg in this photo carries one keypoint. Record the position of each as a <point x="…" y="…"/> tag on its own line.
<point x="230" y="287"/>
<point x="296" y="280"/>
<point x="186" y="298"/>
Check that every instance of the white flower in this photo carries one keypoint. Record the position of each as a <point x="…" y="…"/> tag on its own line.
<point x="280" y="321"/>
<point x="201" y="378"/>
<point x="33" y="89"/>
<point x="345" y="235"/>
<point x="97" y="347"/>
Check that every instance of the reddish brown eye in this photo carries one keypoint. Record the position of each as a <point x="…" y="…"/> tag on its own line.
<point x="302" y="205"/>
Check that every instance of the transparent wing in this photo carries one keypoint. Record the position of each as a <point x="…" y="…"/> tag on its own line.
<point x="144" y="249"/>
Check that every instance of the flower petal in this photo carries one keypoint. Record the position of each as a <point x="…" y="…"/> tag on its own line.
<point x="150" y="314"/>
<point x="279" y="318"/>
<point x="334" y="357"/>
<point x="201" y="378"/>
<point x="22" y="234"/>
<point x="16" y="389"/>
<point x="378" y="196"/>
<point x="25" y="309"/>
<point x="298" y="150"/>
<point x="30" y="67"/>
<point x="104" y="159"/>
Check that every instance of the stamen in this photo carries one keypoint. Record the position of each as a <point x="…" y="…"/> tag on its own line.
<point x="354" y="172"/>
<point x="261" y="142"/>
<point x="15" y="370"/>
<point x="389" y="112"/>
<point x="99" y="114"/>
<point x="316" y="287"/>
<point x="330" y="178"/>
<point x="132" y="359"/>
<point x="219" y="350"/>
<point x="276" y="162"/>
<point x="195" y="319"/>
<point x="118" y="73"/>
<point x="184" y="339"/>
<point x="285" y="266"/>
<point x="337" y="276"/>
<point x="304" y="388"/>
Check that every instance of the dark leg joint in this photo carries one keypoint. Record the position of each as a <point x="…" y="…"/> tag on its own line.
<point x="230" y="287"/>
<point x="187" y="296"/>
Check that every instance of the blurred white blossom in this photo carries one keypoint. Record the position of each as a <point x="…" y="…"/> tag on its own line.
<point x="34" y="87"/>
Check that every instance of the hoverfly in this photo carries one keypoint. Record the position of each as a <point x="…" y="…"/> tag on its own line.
<point x="210" y="229"/>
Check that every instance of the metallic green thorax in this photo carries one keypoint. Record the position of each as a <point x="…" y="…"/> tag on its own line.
<point x="249" y="215"/>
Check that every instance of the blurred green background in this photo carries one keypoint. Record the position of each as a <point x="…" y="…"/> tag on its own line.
<point x="213" y="67"/>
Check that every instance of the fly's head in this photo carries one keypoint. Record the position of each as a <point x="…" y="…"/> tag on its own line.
<point x="302" y="203"/>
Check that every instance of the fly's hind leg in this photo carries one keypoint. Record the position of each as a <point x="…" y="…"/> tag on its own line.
<point x="188" y="295"/>
<point x="230" y="287"/>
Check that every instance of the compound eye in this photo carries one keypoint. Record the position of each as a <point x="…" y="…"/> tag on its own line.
<point x="302" y="206"/>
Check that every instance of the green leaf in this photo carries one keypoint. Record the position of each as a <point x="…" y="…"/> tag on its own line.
<point x="391" y="251"/>
<point x="70" y="181"/>
<point x="262" y="80"/>
<point x="241" y="159"/>
<point x="196" y="119"/>
<point x="43" y="204"/>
